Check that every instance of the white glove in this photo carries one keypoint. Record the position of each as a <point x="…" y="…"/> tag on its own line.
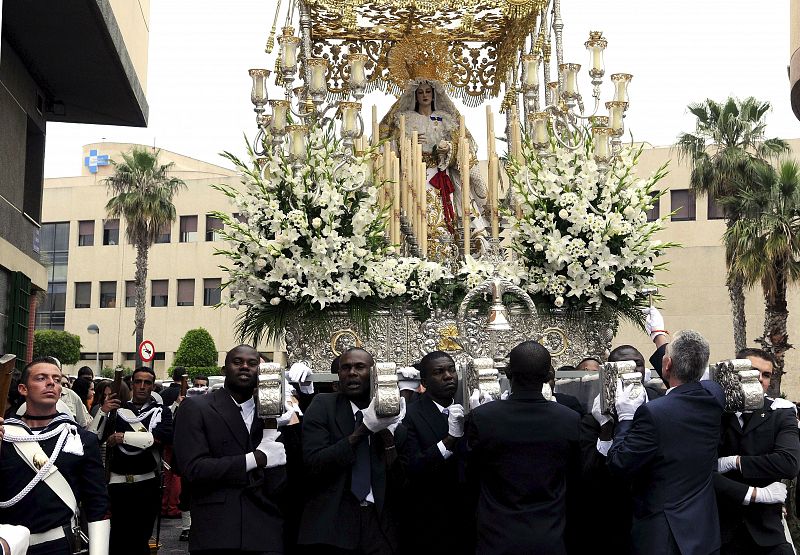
<point x="601" y="418"/>
<point x="269" y="435"/>
<point x="291" y="410"/>
<point x="505" y="395"/>
<point x="478" y="398"/>
<point x="408" y="373"/>
<point x="773" y="493"/>
<point x="18" y="538"/>
<point x="653" y="322"/>
<point x="455" y="420"/>
<point x="726" y="464"/>
<point x="99" y="532"/>
<point x="626" y="407"/>
<point x="300" y="373"/>
<point x="275" y="452"/>
<point x="375" y="424"/>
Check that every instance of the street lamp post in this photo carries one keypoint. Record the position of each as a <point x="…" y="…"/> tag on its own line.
<point x="94" y="328"/>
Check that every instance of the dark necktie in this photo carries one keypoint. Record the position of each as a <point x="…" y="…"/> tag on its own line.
<point x="360" y="477"/>
<point x="746" y="416"/>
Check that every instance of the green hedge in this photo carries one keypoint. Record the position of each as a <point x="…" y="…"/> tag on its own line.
<point x="195" y="371"/>
<point x="197" y="349"/>
<point x="65" y="346"/>
<point x="109" y="372"/>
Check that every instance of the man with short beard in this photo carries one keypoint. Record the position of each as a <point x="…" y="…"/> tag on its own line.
<point x="140" y="429"/>
<point x="235" y="466"/>
<point x="355" y="466"/>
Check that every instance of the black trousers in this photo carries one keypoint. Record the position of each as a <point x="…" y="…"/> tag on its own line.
<point x="371" y="539"/>
<point x="55" y="547"/>
<point x="742" y="544"/>
<point x="134" y="508"/>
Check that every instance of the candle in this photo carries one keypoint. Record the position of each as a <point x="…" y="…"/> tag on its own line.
<point x="375" y="129"/>
<point x="356" y="62"/>
<point x="621" y="82"/>
<point x="258" y="94"/>
<point x="396" y="198"/>
<point x="600" y="136"/>
<point x="297" y="141"/>
<point x="541" y="136"/>
<point x="349" y="113"/>
<point x="552" y="91"/>
<point x="319" y="84"/>
<point x="289" y="45"/>
<point x="530" y="71"/>
<point x="494" y="192"/>
<point x="462" y="130"/>
<point x="569" y="76"/>
<point x="490" y="138"/>
<point x="595" y="45"/>
<point x="463" y="151"/>
<point x="615" y="111"/>
<point x="279" y="110"/>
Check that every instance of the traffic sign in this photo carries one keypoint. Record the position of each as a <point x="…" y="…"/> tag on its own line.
<point x="147" y="351"/>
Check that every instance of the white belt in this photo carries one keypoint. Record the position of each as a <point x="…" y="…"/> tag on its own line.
<point x="130" y="478"/>
<point x="53" y="534"/>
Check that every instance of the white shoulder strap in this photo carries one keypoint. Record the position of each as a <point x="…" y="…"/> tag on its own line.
<point x="127" y="416"/>
<point x="31" y="451"/>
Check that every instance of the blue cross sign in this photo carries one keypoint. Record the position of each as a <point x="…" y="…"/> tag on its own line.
<point x="93" y="161"/>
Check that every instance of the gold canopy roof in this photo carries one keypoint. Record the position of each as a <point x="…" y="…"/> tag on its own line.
<point x="483" y="40"/>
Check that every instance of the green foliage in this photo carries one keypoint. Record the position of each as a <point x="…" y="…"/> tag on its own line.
<point x="197" y="348"/>
<point x="193" y="371"/>
<point x="65" y="346"/>
<point x="108" y="372"/>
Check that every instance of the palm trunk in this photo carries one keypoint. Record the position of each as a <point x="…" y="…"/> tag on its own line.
<point x="736" y="292"/>
<point x="776" y="333"/>
<point x="141" y="289"/>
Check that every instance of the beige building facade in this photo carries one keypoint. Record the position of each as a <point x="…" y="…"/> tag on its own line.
<point x="93" y="284"/>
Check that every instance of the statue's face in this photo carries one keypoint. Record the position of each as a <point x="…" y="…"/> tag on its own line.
<point x="424" y="95"/>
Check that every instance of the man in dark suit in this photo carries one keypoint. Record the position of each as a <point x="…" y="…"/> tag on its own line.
<point x="235" y="466"/>
<point x="171" y="393"/>
<point x="757" y="450"/>
<point x="667" y="448"/>
<point x="522" y="453"/>
<point x="355" y="466"/>
<point x="605" y="497"/>
<point x="435" y="424"/>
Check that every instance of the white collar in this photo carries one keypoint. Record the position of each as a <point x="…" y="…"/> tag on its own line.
<point x="670" y="389"/>
<point x="440" y="407"/>
<point x="247" y="406"/>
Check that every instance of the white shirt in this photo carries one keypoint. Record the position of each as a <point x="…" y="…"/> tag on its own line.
<point x="446" y="453"/>
<point x="369" y="497"/>
<point x="248" y="411"/>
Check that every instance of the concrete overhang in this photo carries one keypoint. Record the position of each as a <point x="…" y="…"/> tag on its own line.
<point x="75" y="51"/>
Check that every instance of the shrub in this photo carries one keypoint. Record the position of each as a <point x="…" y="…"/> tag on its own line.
<point x="193" y="371"/>
<point x="65" y="346"/>
<point x="197" y="348"/>
<point x="108" y="372"/>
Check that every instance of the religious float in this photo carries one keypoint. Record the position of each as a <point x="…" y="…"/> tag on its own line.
<point x="401" y="236"/>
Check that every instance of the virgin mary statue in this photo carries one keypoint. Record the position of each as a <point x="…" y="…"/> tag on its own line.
<point x="428" y="110"/>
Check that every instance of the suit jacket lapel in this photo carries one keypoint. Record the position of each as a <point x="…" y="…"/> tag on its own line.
<point x="758" y="418"/>
<point x="345" y="420"/>
<point x="232" y="416"/>
<point x="431" y="415"/>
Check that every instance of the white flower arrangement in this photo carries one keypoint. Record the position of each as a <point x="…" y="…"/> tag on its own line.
<point x="313" y="238"/>
<point x="583" y="235"/>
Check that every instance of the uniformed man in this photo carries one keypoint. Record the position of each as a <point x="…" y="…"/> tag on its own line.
<point x="140" y="429"/>
<point x="48" y="465"/>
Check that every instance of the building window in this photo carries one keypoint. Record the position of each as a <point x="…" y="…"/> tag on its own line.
<point x="165" y="234"/>
<point x="655" y="212"/>
<point x="240" y="217"/>
<point x="111" y="232"/>
<point x="108" y="294"/>
<point x="213" y="228"/>
<point x="86" y="233"/>
<point x="130" y="294"/>
<point x="188" y="229"/>
<point x="185" y="292"/>
<point x="211" y="291"/>
<point x="159" y="293"/>
<point x="683" y="205"/>
<point x="83" y="294"/>
<point x="715" y="210"/>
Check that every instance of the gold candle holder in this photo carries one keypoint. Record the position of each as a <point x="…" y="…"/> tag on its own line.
<point x="319" y="68"/>
<point x="541" y="135"/>
<point x="569" y="76"/>
<point x="297" y="142"/>
<point x="600" y="138"/>
<point x="356" y="62"/>
<point x="258" y="94"/>
<point x="616" y="111"/>
<point x="289" y="44"/>
<point x="621" y="82"/>
<point x="530" y="71"/>
<point x="348" y="111"/>
<point x="280" y="108"/>
<point x="596" y="45"/>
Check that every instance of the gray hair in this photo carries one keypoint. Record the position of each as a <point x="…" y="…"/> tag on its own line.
<point x="689" y="352"/>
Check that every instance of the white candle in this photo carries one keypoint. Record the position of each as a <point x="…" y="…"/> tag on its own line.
<point x="621" y="82"/>
<point x="541" y="136"/>
<point x="258" y="94"/>
<point x="279" y="110"/>
<point x="615" y="112"/>
<point x="600" y="137"/>
<point x="595" y="45"/>
<point x="356" y="61"/>
<point x="569" y="75"/>
<point x="289" y="45"/>
<point x="318" y="66"/>
<point x="349" y="112"/>
<point x="530" y="70"/>
<point x="297" y="140"/>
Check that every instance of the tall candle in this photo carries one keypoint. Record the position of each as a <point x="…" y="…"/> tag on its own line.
<point x="490" y="139"/>
<point x="396" y="198"/>
<point x="465" y="192"/>
<point x="375" y="130"/>
<point x="462" y="130"/>
<point x="494" y="162"/>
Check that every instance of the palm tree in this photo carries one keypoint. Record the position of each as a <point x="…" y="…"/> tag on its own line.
<point x="142" y="194"/>
<point x="763" y="245"/>
<point x="726" y="147"/>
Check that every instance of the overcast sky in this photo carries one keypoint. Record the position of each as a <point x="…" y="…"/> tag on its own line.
<point x="679" y="51"/>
